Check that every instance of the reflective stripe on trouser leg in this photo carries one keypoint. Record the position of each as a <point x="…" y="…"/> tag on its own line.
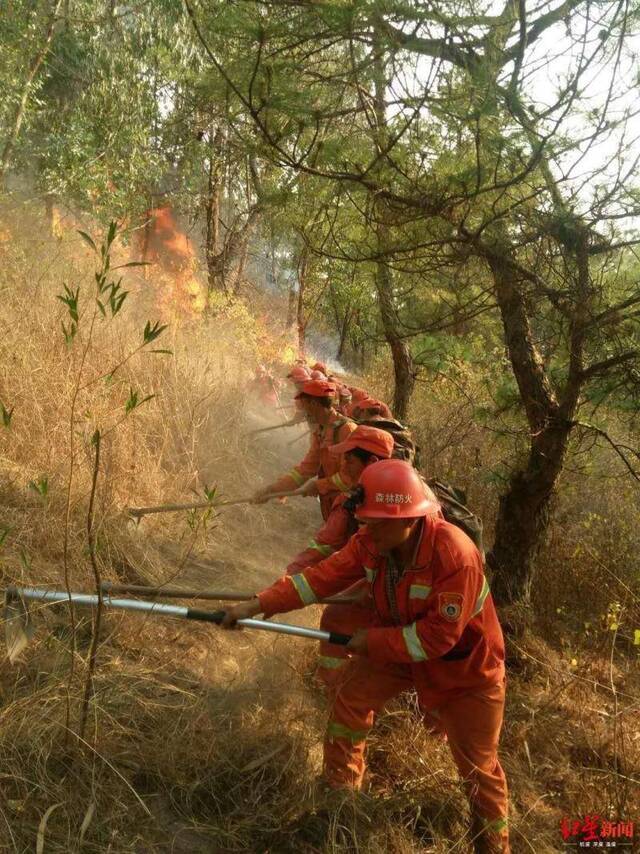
<point x="345" y="620"/>
<point x="363" y="690"/>
<point x="473" y="724"/>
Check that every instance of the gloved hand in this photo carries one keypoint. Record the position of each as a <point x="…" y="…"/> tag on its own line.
<point x="241" y="611"/>
<point x="310" y="489"/>
<point x="359" y="643"/>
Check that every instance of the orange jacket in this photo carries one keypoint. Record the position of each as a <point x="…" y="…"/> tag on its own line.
<point x="320" y="463"/>
<point x="330" y="538"/>
<point x="438" y="616"/>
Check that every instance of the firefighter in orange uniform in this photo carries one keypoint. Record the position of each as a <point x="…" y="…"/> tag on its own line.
<point x="435" y="630"/>
<point x="363" y="447"/>
<point x="317" y="399"/>
<point x="344" y="399"/>
<point x="369" y="407"/>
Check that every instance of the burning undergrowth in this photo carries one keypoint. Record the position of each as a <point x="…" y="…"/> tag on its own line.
<point x="199" y="740"/>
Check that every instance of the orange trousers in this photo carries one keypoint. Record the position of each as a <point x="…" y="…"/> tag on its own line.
<point x="345" y="620"/>
<point x="472" y="724"/>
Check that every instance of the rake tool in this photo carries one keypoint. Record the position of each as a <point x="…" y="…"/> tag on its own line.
<point x="292" y="423"/>
<point x="216" y="595"/>
<point x="138" y="512"/>
<point x="18" y="619"/>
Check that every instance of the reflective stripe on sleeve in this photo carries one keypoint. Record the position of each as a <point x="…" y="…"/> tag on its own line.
<point x="303" y="589"/>
<point x="330" y="662"/>
<point x="339" y="483"/>
<point x="324" y="550"/>
<point x="336" y="730"/>
<point x="371" y="574"/>
<point x="412" y="642"/>
<point x="419" y="591"/>
<point x="295" y="475"/>
<point x="483" y="595"/>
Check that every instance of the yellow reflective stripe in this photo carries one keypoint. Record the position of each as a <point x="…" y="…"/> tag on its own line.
<point x="371" y="574"/>
<point x="295" y="475"/>
<point x="330" y="662"/>
<point x="303" y="589"/>
<point x="336" y="730"/>
<point x="419" y="591"/>
<point x="483" y="595"/>
<point x="412" y="642"/>
<point x="339" y="482"/>
<point x="319" y="547"/>
<point x="494" y="825"/>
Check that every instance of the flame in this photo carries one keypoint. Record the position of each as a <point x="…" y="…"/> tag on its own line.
<point x="163" y="244"/>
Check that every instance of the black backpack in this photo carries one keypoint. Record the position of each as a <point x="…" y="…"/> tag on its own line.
<point x="453" y="502"/>
<point x="404" y="448"/>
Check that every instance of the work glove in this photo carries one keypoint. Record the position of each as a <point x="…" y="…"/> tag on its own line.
<point x="241" y="611"/>
<point x="310" y="489"/>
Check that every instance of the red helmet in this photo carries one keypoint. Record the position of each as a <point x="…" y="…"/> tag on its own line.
<point x="320" y="366"/>
<point x="317" y="388"/>
<point x="298" y="374"/>
<point x="318" y="375"/>
<point x="393" y="489"/>
<point x="358" y="393"/>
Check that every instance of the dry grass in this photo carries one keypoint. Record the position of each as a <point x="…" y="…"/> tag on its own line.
<point x="201" y="741"/>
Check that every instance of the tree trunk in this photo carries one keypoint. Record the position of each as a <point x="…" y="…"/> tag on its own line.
<point x="212" y="211"/>
<point x="524" y="510"/>
<point x="344" y="332"/>
<point x="301" y="321"/>
<point x="292" y="305"/>
<point x="523" y="517"/>
<point x="21" y="108"/>
<point x="400" y="353"/>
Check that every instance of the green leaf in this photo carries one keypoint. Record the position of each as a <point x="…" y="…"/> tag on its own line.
<point x="101" y="307"/>
<point x="7" y="414"/>
<point x="41" y="486"/>
<point x="210" y="494"/>
<point x="152" y="332"/>
<point x="133" y="264"/>
<point x="87" y="239"/>
<point x="69" y="334"/>
<point x="132" y="401"/>
<point x="168" y="352"/>
<point x="4" y="533"/>
<point x="113" y="229"/>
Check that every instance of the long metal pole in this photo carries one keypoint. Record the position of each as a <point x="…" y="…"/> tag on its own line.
<point x="212" y="595"/>
<point x="173" y="508"/>
<point x="178" y="611"/>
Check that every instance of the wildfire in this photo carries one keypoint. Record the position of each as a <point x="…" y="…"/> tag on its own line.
<point x="163" y="244"/>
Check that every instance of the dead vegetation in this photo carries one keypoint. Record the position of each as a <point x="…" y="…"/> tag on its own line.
<point x="203" y="741"/>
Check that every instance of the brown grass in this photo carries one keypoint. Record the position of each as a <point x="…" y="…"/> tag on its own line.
<point x="204" y="741"/>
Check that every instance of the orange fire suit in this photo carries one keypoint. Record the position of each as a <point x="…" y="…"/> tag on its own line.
<point x="320" y="463"/>
<point x="339" y="526"/>
<point x="435" y="628"/>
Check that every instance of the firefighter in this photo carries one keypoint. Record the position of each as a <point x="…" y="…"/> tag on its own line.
<point x="369" y="407"/>
<point x="435" y="630"/>
<point x="298" y="375"/>
<point x="363" y="447"/>
<point x="357" y="394"/>
<point x="317" y="399"/>
<point x="344" y="399"/>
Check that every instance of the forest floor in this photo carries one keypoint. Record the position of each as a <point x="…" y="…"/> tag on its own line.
<point x="201" y="740"/>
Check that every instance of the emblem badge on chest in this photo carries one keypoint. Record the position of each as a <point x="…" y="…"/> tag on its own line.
<point x="450" y="606"/>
